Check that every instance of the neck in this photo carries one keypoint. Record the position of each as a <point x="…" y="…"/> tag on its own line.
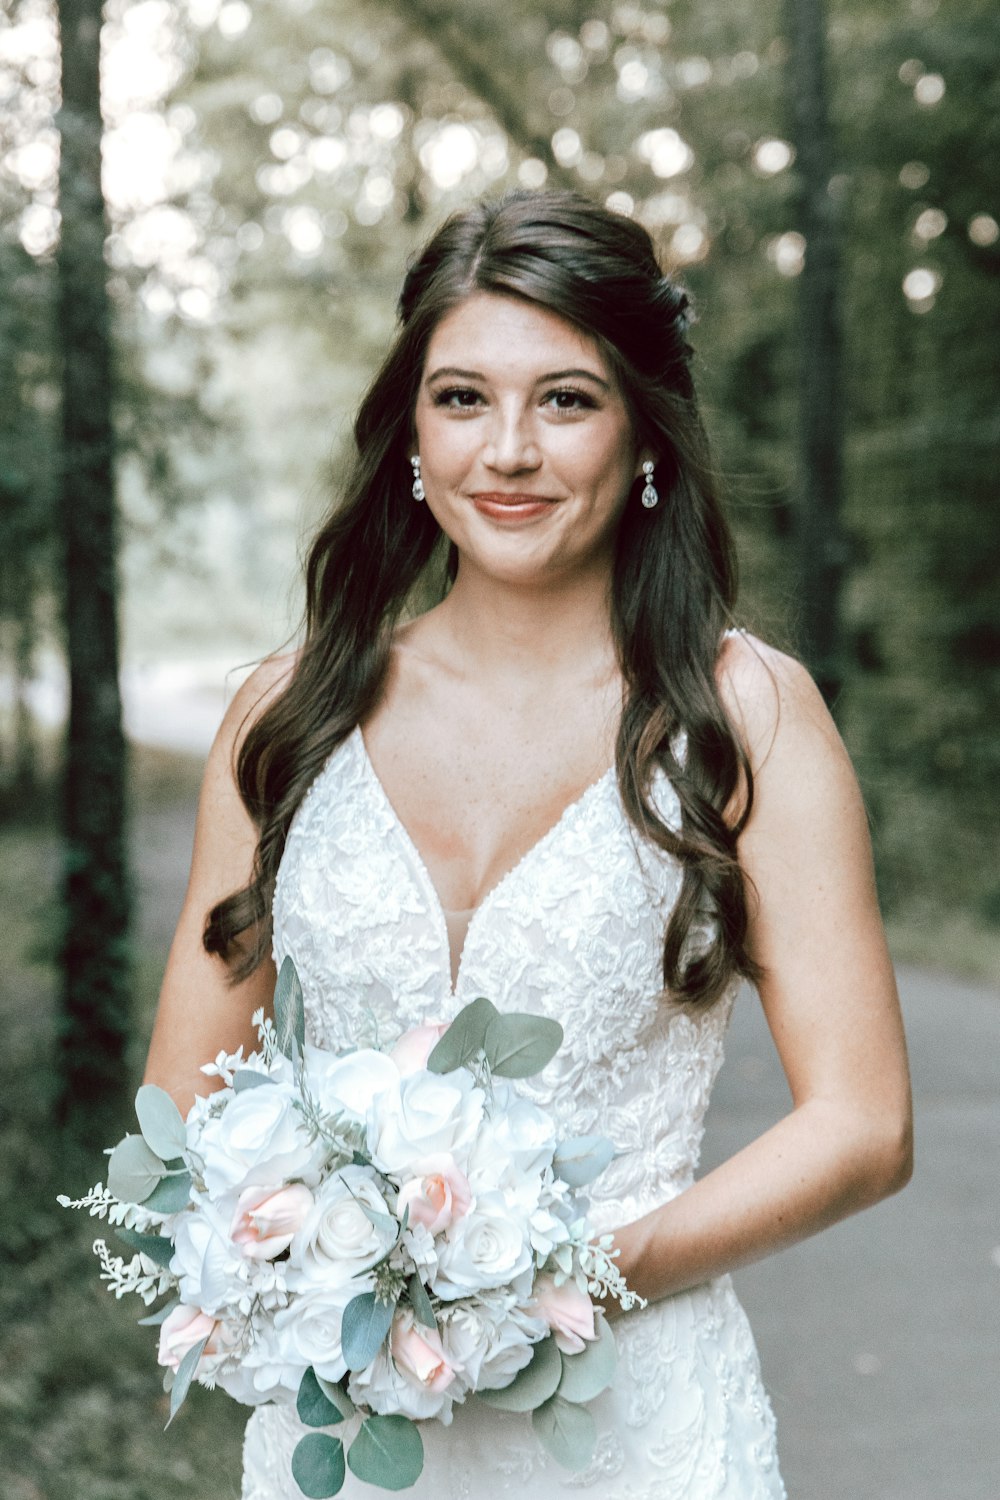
<point x="559" y="628"/>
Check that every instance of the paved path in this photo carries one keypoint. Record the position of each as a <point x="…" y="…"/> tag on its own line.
<point x="880" y="1339"/>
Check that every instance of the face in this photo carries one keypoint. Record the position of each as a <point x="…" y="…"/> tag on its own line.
<point x="526" y="447"/>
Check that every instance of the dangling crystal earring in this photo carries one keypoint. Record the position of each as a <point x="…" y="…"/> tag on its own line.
<point x="650" y="495"/>
<point x="419" y="493"/>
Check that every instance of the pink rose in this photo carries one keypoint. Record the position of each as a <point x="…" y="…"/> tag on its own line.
<point x="438" y="1196"/>
<point x="568" y="1312"/>
<point x="419" y="1354"/>
<point x="267" y="1219"/>
<point x="413" y="1048"/>
<point x="180" y="1331"/>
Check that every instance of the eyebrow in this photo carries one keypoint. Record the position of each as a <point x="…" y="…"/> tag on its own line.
<point x="454" y="373"/>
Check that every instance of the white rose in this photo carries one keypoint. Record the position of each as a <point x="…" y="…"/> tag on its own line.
<point x="348" y="1083"/>
<point x="257" y="1140"/>
<point x="510" y="1348"/>
<point x="489" y="1247"/>
<point x="424" y="1115"/>
<point x="308" y="1330"/>
<point x="525" y="1135"/>
<point x="206" y="1262"/>
<point x="337" y="1238"/>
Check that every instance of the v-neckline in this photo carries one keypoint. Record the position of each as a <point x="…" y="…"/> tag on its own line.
<point x="435" y="904"/>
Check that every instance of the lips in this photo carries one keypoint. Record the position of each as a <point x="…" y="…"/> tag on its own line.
<point x="511" y="508"/>
<point x="505" y="497"/>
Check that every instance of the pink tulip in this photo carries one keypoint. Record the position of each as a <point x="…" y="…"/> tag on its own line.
<point x="268" y="1218"/>
<point x="568" y="1312"/>
<point x="419" y="1353"/>
<point x="180" y="1331"/>
<point x="438" y="1196"/>
<point x="413" y="1048"/>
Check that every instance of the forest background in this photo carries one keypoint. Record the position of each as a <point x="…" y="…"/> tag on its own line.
<point x="268" y="171"/>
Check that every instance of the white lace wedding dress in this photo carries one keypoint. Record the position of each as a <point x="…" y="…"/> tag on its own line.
<point x="574" y="931"/>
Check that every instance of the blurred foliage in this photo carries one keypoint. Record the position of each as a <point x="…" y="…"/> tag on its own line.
<point x="271" y="169"/>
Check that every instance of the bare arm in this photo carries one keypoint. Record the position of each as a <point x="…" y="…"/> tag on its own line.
<point x="200" y="1013"/>
<point x="828" y="993"/>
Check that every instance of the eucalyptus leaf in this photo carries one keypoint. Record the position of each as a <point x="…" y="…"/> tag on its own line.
<point x="420" y="1302"/>
<point x="388" y="1452"/>
<point x="318" y="1465"/>
<point x="156" y="1246"/>
<point x="154" y="1319"/>
<point x="249" y="1078"/>
<point x="170" y="1194"/>
<point x="568" y="1431"/>
<point x="314" y="1406"/>
<point x="336" y="1395"/>
<point x="365" y="1324"/>
<point x="587" y="1374"/>
<point x="133" y="1170"/>
<point x="160" y="1122"/>
<point x="531" y="1386"/>
<point x="289" y="1012"/>
<point x="580" y="1160"/>
<point x="518" y="1045"/>
<point x="464" y="1038"/>
<point x="378" y="1218"/>
<point x="184" y="1376"/>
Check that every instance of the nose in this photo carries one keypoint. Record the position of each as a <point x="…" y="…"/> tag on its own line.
<point x="512" y="445"/>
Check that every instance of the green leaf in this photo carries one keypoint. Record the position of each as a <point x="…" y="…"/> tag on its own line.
<point x="160" y="1122"/>
<point x="377" y="1217"/>
<point x="464" y="1038"/>
<point x="289" y="1012"/>
<point x="249" y="1078"/>
<point x="184" y="1376"/>
<point x="160" y="1315"/>
<point x="567" y="1431"/>
<point x="313" y="1405"/>
<point x="170" y="1194"/>
<point x="365" y="1324"/>
<point x="532" y="1385"/>
<point x="133" y="1170"/>
<point x="388" y="1452"/>
<point x="580" y="1160"/>
<point x="318" y="1465"/>
<point x="420" y="1302"/>
<point x="519" y="1045"/>
<point x="336" y="1395"/>
<point x="587" y="1374"/>
<point x="156" y="1246"/>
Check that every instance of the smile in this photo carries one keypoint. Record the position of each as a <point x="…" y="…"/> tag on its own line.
<point x="502" y="505"/>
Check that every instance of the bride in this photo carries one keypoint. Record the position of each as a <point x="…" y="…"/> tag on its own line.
<point x="572" y="785"/>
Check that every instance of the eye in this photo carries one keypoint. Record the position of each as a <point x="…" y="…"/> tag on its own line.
<point x="568" y="398"/>
<point x="458" y="397"/>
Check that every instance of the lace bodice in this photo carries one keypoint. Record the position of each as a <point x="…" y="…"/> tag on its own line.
<point x="574" y="931"/>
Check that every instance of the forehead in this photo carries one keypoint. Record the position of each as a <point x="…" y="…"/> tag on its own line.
<point x="488" y="331"/>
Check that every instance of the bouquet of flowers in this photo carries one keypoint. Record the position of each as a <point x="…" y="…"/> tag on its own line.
<point x="375" y="1236"/>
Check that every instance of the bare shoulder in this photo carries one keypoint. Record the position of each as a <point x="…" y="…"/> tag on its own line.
<point x="266" y="683"/>
<point x="774" y="703"/>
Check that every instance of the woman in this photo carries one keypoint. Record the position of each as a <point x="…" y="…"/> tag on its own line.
<point x="571" y="786"/>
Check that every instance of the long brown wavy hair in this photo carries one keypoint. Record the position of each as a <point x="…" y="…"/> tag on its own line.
<point x="673" y="587"/>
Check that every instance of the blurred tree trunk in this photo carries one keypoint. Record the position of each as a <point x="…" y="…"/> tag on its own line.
<point x="822" y="551"/>
<point x="95" y="969"/>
